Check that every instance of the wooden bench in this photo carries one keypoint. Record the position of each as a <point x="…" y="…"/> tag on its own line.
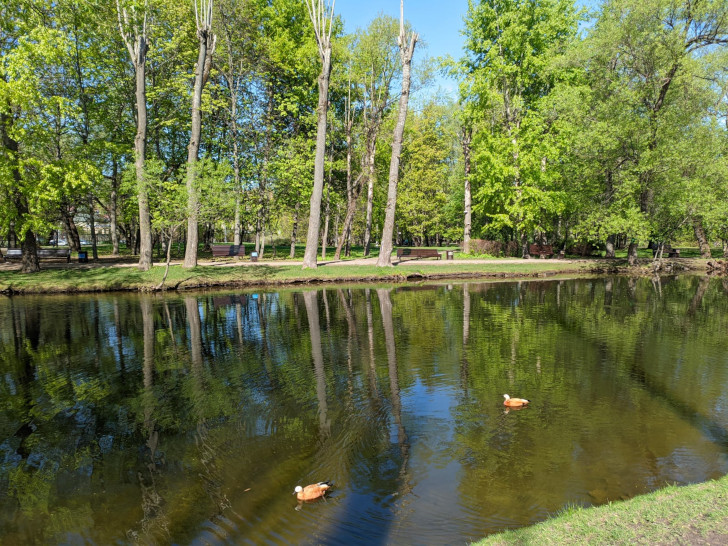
<point x="224" y="251"/>
<point x="542" y="251"/>
<point x="417" y="253"/>
<point x="43" y="253"/>
<point x="667" y="251"/>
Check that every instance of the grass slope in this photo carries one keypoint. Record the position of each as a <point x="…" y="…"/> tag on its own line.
<point x="694" y="514"/>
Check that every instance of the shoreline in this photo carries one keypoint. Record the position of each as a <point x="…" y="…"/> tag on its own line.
<point x="113" y="275"/>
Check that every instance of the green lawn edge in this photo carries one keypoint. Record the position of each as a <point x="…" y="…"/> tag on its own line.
<point x="115" y="278"/>
<point x="689" y="514"/>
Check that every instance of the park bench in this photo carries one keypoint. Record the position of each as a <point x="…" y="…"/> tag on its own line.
<point x="542" y="251"/>
<point x="417" y="253"/>
<point x="43" y="253"/>
<point x="223" y="251"/>
<point x="667" y="252"/>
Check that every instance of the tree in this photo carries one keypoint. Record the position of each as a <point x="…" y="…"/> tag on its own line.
<point x="511" y="48"/>
<point x="645" y="73"/>
<point x="375" y="60"/>
<point x="322" y="20"/>
<point x="133" y="28"/>
<point x="207" y="40"/>
<point x="406" y="48"/>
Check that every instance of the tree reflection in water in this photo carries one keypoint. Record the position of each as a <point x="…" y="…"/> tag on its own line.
<point x="190" y="418"/>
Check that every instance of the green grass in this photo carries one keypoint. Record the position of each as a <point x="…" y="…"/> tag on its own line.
<point x="76" y="278"/>
<point x="695" y="514"/>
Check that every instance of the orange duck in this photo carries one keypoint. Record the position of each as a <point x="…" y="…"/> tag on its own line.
<point x="514" y="402"/>
<point x="313" y="491"/>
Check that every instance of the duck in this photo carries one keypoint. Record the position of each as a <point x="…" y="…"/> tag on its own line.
<point x="312" y="492"/>
<point x="514" y="402"/>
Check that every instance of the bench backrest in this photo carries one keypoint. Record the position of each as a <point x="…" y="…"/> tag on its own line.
<point x="228" y="250"/>
<point x="54" y="252"/>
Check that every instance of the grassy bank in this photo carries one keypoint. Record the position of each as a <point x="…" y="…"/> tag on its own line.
<point x="695" y="514"/>
<point x="77" y="278"/>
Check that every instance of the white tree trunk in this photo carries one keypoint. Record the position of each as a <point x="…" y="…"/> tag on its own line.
<point x="406" y="51"/>
<point x="314" y="221"/>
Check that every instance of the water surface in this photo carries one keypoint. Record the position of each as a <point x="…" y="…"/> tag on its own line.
<point x="190" y="418"/>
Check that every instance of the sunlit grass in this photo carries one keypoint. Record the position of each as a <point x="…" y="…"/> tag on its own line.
<point x="77" y="278"/>
<point x="695" y="514"/>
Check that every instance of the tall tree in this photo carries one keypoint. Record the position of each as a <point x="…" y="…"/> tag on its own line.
<point x="407" y="48"/>
<point x="133" y="23"/>
<point x="207" y="40"/>
<point x="511" y="46"/>
<point x="322" y="20"/>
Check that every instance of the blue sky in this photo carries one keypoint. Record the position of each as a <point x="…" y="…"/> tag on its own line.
<point x="437" y="21"/>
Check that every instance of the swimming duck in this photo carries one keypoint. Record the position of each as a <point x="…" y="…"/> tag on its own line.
<point x="313" y="491"/>
<point x="514" y="402"/>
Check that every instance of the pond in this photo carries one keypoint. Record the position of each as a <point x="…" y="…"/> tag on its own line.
<point x="190" y="418"/>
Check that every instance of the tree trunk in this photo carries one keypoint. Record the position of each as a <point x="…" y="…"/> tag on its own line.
<point x="113" y="205"/>
<point x="263" y="181"/>
<point x="325" y="233"/>
<point x="524" y="246"/>
<point x="294" y="231"/>
<point x="202" y="72"/>
<point x="314" y="220"/>
<point x="74" y="241"/>
<point x="92" y="225"/>
<point x="467" y="135"/>
<point x="349" y="219"/>
<point x="140" y="150"/>
<point x="610" y="247"/>
<point x="700" y="236"/>
<point x="632" y="253"/>
<point x="370" y="193"/>
<point x="10" y="151"/>
<point x="385" y="251"/>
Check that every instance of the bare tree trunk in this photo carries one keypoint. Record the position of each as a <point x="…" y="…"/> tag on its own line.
<point x="700" y="236"/>
<point x="207" y="42"/>
<point x="92" y="225"/>
<point x="406" y="52"/>
<point x="349" y="219"/>
<point x="263" y="180"/>
<point x="632" y="253"/>
<point x="169" y="259"/>
<point x="136" y="43"/>
<point x="74" y="241"/>
<point x="371" y="152"/>
<point x="113" y="206"/>
<point x="140" y="147"/>
<point x="325" y="233"/>
<point x="467" y="135"/>
<point x="319" y="16"/>
<point x="610" y="247"/>
<point x="314" y="220"/>
<point x="294" y="231"/>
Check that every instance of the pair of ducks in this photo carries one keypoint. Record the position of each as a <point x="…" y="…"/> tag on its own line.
<point x="318" y="490"/>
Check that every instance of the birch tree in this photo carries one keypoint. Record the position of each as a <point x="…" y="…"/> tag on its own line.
<point x="322" y="20"/>
<point x="406" y="48"/>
